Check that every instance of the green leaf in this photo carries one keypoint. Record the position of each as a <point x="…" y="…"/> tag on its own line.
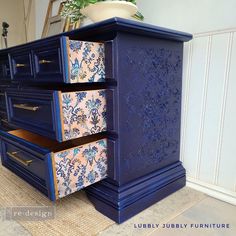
<point x="138" y="16"/>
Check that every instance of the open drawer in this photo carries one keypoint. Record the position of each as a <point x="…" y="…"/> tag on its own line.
<point x="56" y="114"/>
<point x="56" y="169"/>
<point x="59" y="60"/>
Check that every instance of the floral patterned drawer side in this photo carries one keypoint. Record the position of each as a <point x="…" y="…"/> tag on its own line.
<point x="83" y="113"/>
<point x="86" y="61"/>
<point x="79" y="167"/>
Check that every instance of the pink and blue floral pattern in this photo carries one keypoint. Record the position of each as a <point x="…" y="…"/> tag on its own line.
<point x="79" y="167"/>
<point x="86" y="61"/>
<point x="84" y="113"/>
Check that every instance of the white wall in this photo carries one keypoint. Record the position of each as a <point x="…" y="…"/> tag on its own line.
<point x="41" y="7"/>
<point x="30" y="23"/>
<point x="190" y="15"/>
<point x="40" y="14"/>
<point x="209" y="113"/>
<point x="12" y="11"/>
<point x="209" y="89"/>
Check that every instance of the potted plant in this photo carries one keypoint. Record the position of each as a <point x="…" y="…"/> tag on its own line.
<point x="98" y="10"/>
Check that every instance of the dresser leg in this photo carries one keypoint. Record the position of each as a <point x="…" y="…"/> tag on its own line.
<point x="120" y="203"/>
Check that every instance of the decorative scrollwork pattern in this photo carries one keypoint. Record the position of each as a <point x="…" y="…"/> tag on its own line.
<point x="84" y="113"/>
<point x="152" y="101"/>
<point x="81" y="166"/>
<point x="86" y="61"/>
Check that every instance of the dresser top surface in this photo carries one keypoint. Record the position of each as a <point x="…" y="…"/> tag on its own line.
<point x="136" y="27"/>
<point x="106" y="29"/>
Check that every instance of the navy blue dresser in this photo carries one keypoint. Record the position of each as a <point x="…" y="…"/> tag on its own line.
<point x="96" y="108"/>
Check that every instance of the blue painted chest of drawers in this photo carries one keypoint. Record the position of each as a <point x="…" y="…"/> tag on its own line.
<point x="100" y="108"/>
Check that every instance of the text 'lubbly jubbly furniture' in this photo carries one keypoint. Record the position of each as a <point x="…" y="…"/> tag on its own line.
<point x="98" y="107"/>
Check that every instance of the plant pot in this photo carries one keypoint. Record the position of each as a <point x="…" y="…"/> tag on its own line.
<point x="108" y="9"/>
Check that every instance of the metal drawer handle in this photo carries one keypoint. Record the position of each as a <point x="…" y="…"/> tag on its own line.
<point x="45" y="62"/>
<point x="26" y="107"/>
<point x="15" y="157"/>
<point x="21" y="65"/>
<point x="2" y="94"/>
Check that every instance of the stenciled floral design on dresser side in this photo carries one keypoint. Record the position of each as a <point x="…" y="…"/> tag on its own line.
<point x="84" y="113"/>
<point x="154" y="104"/>
<point x="79" y="167"/>
<point x="86" y="61"/>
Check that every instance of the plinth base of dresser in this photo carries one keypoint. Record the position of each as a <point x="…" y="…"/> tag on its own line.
<point x="120" y="203"/>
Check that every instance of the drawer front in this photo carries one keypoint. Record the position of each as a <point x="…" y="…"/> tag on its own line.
<point x="57" y="60"/>
<point x="48" y="62"/>
<point x="3" y="114"/>
<point x="80" y="167"/>
<point x="21" y="64"/>
<point x="33" y="111"/>
<point x="58" y="115"/>
<point x="3" y="120"/>
<point x="56" y="174"/>
<point x="2" y="101"/>
<point x="17" y="156"/>
<point x="5" y="125"/>
<point x="28" y="161"/>
<point x="4" y="68"/>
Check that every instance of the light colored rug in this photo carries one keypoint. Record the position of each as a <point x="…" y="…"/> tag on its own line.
<point x="75" y="215"/>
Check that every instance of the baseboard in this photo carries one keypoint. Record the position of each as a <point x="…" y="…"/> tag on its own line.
<point x="122" y="202"/>
<point x="212" y="190"/>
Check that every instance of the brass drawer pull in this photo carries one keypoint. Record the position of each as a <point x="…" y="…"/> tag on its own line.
<point x="45" y="62"/>
<point x="2" y="94"/>
<point x="21" y="65"/>
<point x="15" y="157"/>
<point x="26" y="107"/>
